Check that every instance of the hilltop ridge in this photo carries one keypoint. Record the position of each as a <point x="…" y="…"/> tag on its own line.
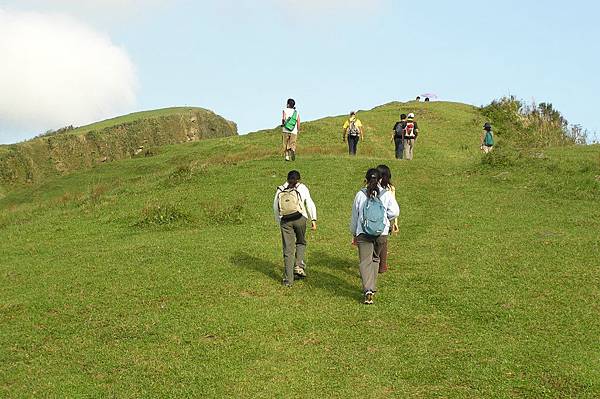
<point x="34" y="160"/>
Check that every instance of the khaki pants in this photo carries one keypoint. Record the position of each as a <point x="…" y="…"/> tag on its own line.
<point x="289" y="142"/>
<point x="409" y="145"/>
<point x="293" y="237"/>
<point x="486" y="148"/>
<point x="369" y="252"/>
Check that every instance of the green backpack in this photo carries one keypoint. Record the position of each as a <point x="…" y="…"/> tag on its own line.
<point x="290" y="123"/>
<point x="489" y="139"/>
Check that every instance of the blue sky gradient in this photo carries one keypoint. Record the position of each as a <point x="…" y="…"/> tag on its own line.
<point x="242" y="59"/>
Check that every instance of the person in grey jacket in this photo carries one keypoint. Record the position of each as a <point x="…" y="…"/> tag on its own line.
<point x="293" y="207"/>
<point x="369" y="247"/>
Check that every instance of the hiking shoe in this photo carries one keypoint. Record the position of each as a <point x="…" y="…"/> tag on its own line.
<point x="368" y="298"/>
<point x="299" y="273"/>
<point x="287" y="157"/>
<point x="286" y="283"/>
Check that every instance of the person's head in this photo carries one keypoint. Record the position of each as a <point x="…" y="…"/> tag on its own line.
<point x="386" y="175"/>
<point x="291" y="103"/>
<point x="293" y="178"/>
<point x="427" y="99"/>
<point x="487" y="126"/>
<point x="402" y="117"/>
<point x="418" y="98"/>
<point x="352" y="114"/>
<point x="411" y="116"/>
<point x="372" y="179"/>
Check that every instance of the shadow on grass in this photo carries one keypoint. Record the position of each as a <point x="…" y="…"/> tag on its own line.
<point x="247" y="261"/>
<point x="317" y="276"/>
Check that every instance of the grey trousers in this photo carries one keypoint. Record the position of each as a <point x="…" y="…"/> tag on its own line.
<point x="293" y="237"/>
<point x="369" y="252"/>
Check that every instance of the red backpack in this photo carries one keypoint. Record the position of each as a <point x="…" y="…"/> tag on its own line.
<point x="409" y="130"/>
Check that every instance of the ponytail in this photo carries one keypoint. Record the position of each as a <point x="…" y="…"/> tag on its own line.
<point x="372" y="177"/>
<point x="386" y="176"/>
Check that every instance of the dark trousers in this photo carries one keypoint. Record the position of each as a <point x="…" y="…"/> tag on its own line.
<point x="352" y="144"/>
<point x="399" y="143"/>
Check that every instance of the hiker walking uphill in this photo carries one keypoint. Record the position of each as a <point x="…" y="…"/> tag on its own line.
<point x="411" y="132"/>
<point x="398" y="136"/>
<point x="290" y="122"/>
<point x="292" y="207"/>
<point x="487" y="138"/>
<point x="386" y="183"/>
<point x="353" y="131"/>
<point x="372" y="211"/>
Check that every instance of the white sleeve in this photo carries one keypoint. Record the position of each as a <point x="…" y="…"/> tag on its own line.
<point x="311" y="208"/>
<point x="276" y="207"/>
<point x="392" y="207"/>
<point x="355" y="214"/>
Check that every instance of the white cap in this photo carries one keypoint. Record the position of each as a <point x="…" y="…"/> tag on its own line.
<point x="410" y="116"/>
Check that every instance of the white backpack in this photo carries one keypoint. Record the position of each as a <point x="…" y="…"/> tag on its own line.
<point x="290" y="204"/>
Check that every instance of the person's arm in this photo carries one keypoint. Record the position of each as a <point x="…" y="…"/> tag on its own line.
<point x="355" y="214"/>
<point x="283" y="118"/>
<point x="311" y="208"/>
<point x="392" y="208"/>
<point x="361" y="130"/>
<point x="298" y="122"/>
<point x="394" y="131"/>
<point x="276" y="207"/>
<point x="345" y="131"/>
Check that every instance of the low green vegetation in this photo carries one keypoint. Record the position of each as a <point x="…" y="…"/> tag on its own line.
<point x="160" y="276"/>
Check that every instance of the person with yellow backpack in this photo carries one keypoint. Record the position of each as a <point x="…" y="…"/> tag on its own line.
<point x="353" y="132"/>
<point x="293" y="207"/>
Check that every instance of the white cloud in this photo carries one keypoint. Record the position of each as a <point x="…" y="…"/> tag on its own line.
<point x="56" y="71"/>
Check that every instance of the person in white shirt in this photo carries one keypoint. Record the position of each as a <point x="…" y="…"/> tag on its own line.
<point x="292" y="207"/>
<point x="370" y="247"/>
<point x="290" y="123"/>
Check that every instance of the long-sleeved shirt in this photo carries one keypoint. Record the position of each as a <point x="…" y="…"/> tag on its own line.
<point x="392" y="210"/>
<point x="309" y="210"/>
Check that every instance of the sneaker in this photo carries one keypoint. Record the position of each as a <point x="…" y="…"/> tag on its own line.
<point x="287" y="157"/>
<point x="369" y="298"/>
<point x="299" y="273"/>
<point x="286" y="283"/>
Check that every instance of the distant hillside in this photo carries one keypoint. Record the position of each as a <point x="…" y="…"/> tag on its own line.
<point x="109" y="140"/>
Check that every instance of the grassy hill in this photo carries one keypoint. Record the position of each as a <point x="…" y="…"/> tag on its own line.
<point x="160" y="276"/>
<point x="33" y="161"/>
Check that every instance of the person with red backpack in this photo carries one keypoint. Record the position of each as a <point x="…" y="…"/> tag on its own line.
<point x="411" y="132"/>
<point x="292" y="207"/>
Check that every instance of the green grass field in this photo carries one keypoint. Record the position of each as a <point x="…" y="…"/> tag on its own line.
<point x="160" y="276"/>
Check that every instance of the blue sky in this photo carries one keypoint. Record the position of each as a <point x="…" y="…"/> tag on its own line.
<point x="243" y="58"/>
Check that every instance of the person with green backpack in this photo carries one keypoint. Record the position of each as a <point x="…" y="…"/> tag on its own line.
<point x="487" y="138"/>
<point x="293" y="207"/>
<point x="372" y="211"/>
<point x="290" y="122"/>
